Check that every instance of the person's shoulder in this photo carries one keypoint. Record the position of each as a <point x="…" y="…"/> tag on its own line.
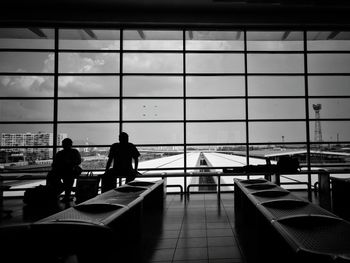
<point x="60" y="152"/>
<point x="114" y="146"/>
<point x="75" y="150"/>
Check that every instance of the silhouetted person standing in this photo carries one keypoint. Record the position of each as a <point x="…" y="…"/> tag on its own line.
<point x="65" y="165"/>
<point x="122" y="154"/>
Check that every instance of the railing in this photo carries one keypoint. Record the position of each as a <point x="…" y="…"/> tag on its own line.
<point x="41" y="175"/>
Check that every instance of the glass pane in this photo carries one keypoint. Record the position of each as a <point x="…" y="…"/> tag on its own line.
<point x="151" y="86"/>
<point x="93" y="158"/>
<point x="329" y="154"/>
<point x="154" y="133"/>
<point x="26" y="110"/>
<point x="152" y="109"/>
<point x="152" y="63"/>
<point x="215" y="109"/>
<point x="275" y="40"/>
<point x="214" y="40"/>
<point x="25" y="128"/>
<point x="152" y="40"/>
<point x="88" y="86"/>
<point x="330" y="108"/>
<point x="89" y="39"/>
<point x="15" y="136"/>
<point x="333" y="131"/>
<point x="329" y="63"/>
<point x="260" y="153"/>
<point x="276" y="86"/>
<point x="161" y="157"/>
<point x="328" y="40"/>
<point x="26" y="86"/>
<point x="275" y="63"/>
<point x="215" y="86"/>
<point x="88" y="110"/>
<point x="27" y="158"/>
<point x="329" y="85"/>
<point x="27" y="38"/>
<point x="28" y="62"/>
<point x="215" y="156"/>
<point x="216" y="132"/>
<point x="88" y="63"/>
<point x="277" y="132"/>
<point x="215" y="63"/>
<point x="91" y="134"/>
<point x="276" y="108"/>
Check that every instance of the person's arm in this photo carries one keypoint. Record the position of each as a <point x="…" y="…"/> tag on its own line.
<point x="136" y="163"/>
<point x="136" y="159"/>
<point x="78" y="158"/>
<point x="110" y="158"/>
<point x="109" y="162"/>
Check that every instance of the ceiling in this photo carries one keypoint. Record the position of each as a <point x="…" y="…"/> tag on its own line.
<point x="178" y="12"/>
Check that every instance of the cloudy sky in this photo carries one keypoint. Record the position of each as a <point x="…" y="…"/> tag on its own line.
<point x="198" y="109"/>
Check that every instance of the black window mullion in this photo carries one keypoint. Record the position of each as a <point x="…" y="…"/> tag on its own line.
<point x="55" y="100"/>
<point x="308" y="150"/>
<point x="121" y="82"/>
<point x="184" y="107"/>
<point x="246" y="96"/>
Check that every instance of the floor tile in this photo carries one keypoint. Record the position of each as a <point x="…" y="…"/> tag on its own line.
<point x="224" y="252"/>
<point x="189" y="233"/>
<point x="191" y="253"/>
<point x="192" y="242"/>
<point x="221" y="241"/>
<point x="162" y="255"/>
<point x="170" y="234"/>
<point x="191" y="261"/>
<point x="219" y="232"/>
<point x="226" y="260"/>
<point x="165" y="243"/>
<point x="218" y="225"/>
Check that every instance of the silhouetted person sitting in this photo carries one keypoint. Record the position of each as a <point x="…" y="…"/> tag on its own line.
<point x="121" y="154"/>
<point x="65" y="166"/>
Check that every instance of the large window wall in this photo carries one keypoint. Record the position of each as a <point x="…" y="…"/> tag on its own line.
<point x="249" y="93"/>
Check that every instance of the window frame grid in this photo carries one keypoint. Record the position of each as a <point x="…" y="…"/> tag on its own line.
<point x="56" y="50"/>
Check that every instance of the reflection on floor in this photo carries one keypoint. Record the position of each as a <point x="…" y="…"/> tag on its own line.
<point x="195" y="229"/>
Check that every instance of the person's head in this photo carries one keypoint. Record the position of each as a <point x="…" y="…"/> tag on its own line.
<point x="67" y="143"/>
<point x="123" y="137"/>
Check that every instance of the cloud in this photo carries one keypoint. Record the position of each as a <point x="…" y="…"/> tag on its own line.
<point x="26" y="86"/>
<point x="28" y="81"/>
<point x="65" y="81"/>
<point x="49" y="64"/>
<point x="88" y="63"/>
<point x="5" y="80"/>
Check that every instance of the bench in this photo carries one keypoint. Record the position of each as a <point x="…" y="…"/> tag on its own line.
<point x="276" y="226"/>
<point x="113" y="217"/>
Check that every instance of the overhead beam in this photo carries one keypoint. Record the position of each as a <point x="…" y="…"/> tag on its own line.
<point x="285" y="35"/>
<point x="142" y="34"/>
<point x="333" y="34"/>
<point x="38" y="32"/>
<point x="90" y="33"/>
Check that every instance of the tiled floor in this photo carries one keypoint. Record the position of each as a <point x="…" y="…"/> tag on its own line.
<point x="196" y="229"/>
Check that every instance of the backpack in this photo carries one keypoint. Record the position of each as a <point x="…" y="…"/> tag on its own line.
<point x="40" y="195"/>
<point x="288" y="164"/>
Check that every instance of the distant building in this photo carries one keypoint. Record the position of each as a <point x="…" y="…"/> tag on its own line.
<point x="36" y="140"/>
